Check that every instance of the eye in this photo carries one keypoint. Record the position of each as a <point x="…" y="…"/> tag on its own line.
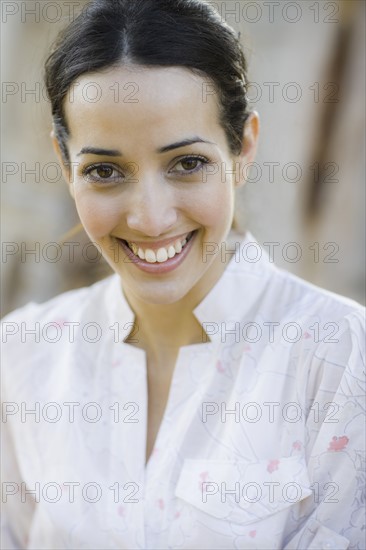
<point x="101" y="173"/>
<point x="190" y="165"/>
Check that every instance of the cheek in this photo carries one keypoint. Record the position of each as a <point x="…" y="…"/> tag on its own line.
<point x="97" y="214"/>
<point x="214" y="207"/>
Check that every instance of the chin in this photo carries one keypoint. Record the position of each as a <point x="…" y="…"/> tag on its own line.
<point x="162" y="298"/>
<point x="165" y="295"/>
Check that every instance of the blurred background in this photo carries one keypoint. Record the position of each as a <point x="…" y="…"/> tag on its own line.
<point x="305" y="194"/>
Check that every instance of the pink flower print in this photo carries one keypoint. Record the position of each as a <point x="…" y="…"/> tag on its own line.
<point x="204" y="477"/>
<point x="252" y="534"/>
<point x="247" y="347"/>
<point x="161" y="503"/>
<point x="307" y="335"/>
<point x="338" y="443"/>
<point x="121" y="511"/>
<point x="60" y="322"/>
<point x="65" y="487"/>
<point x="220" y="367"/>
<point x="297" y="445"/>
<point x="177" y="514"/>
<point x="116" y="363"/>
<point x="272" y="465"/>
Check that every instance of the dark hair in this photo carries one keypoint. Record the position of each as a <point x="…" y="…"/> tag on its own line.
<point x="163" y="33"/>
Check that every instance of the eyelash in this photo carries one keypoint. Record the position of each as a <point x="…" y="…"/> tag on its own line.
<point x="87" y="171"/>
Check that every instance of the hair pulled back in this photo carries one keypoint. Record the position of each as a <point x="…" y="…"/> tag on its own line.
<point x="160" y="33"/>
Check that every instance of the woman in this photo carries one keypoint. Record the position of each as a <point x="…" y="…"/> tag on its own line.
<point x="199" y="397"/>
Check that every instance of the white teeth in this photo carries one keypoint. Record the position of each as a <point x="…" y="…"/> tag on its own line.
<point x="150" y="256"/>
<point x="171" y="252"/>
<point x="178" y="246"/>
<point x="161" y="255"/>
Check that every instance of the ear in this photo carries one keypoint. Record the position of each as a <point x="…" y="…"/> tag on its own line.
<point x="66" y="172"/>
<point x="249" y="147"/>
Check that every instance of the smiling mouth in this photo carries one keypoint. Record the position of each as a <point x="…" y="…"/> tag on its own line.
<point x="162" y="254"/>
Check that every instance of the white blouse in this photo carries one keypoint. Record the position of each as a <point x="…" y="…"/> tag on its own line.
<point x="262" y="441"/>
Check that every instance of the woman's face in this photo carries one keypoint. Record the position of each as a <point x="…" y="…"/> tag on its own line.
<point x="151" y="168"/>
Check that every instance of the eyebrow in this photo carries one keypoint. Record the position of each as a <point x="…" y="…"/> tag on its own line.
<point x="99" y="151"/>
<point x="165" y="149"/>
<point x="183" y="143"/>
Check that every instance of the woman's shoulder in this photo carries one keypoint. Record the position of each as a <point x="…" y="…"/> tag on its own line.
<point x="40" y="338"/>
<point x="280" y="294"/>
<point x="333" y="334"/>
<point x="301" y="293"/>
<point x="54" y="309"/>
<point x="45" y="328"/>
<point x="332" y="326"/>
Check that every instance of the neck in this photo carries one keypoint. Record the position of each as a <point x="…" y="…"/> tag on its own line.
<point x="164" y="328"/>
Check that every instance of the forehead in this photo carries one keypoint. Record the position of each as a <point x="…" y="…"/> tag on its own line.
<point x="146" y="105"/>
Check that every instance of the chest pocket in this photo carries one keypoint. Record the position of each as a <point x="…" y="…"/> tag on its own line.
<point x="243" y="492"/>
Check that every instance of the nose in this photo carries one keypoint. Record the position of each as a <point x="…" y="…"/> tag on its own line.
<point x="151" y="209"/>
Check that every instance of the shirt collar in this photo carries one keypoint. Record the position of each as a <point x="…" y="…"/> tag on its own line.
<point x="235" y="295"/>
<point x="120" y="309"/>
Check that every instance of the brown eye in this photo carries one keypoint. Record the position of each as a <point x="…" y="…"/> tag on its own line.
<point x="189" y="163"/>
<point x="104" y="172"/>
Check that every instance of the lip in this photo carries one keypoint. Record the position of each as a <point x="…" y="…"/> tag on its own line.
<point x="159" y="268"/>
